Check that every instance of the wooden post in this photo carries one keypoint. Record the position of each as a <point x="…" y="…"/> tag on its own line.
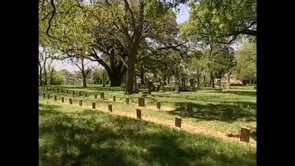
<point x="127" y="100"/>
<point x="190" y="108"/>
<point x="93" y="105"/>
<point x="67" y="91"/>
<point x="102" y="95"/>
<point x="62" y="99"/>
<point x="114" y="98"/>
<point x="158" y="105"/>
<point x="80" y="102"/>
<point x="245" y="134"/>
<point x="178" y="121"/>
<point x="48" y="96"/>
<point x="110" y="108"/>
<point x="138" y="113"/>
<point x="141" y="102"/>
<point x="55" y="98"/>
<point x="44" y="95"/>
<point x="95" y="96"/>
<point x="71" y="101"/>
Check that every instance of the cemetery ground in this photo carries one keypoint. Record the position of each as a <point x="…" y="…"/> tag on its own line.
<point x="72" y="134"/>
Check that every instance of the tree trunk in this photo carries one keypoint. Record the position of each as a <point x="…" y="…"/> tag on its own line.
<point x="192" y="84"/>
<point x="116" y="79"/>
<point x="183" y="82"/>
<point x="164" y="79"/>
<point x="84" y="79"/>
<point x="198" y="80"/>
<point x="228" y="80"/>
<point x="40" y="76"/>
<point x="45" y="75"/>
<point x="103" y="80"/>
<point x="130" y="72"/>
<point x="141" y="76"/>
<point x="83" y="74"/>
<point x="51" y="77"/>
<point x="44" y="72"/>
<point x="212" y="80"/>
<point x="176" y="86"/>
<point x="176" y="81"/>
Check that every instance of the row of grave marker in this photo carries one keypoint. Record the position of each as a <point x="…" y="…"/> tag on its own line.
<point x="141" y="100"/>
<point x="245" y="132"/>
<point x="73" y="92"/>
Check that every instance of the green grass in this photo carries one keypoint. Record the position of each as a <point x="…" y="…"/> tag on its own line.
<point x="70" y="135"/>
<point x="224" y="112"/>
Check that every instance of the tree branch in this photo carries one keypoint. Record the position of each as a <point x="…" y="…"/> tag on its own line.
<point x="100" y="61"/>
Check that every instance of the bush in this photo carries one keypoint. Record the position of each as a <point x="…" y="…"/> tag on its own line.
<point x="57" y="78"/>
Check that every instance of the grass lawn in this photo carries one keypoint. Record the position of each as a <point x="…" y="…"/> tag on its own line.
<point x="74" y="135"/>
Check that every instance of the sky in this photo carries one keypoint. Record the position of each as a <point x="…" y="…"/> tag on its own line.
<point x="182" y="15"/>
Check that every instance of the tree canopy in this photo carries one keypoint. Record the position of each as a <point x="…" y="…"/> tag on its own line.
<point x="131" y="38"/>
<point x="221" y="21"/>
<point x="246" y="61"/>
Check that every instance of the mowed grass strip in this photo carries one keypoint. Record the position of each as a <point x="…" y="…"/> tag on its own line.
<point x="213" y="113"/>
<point x="71" y="135"/>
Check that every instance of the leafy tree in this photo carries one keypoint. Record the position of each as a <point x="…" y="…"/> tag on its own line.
<point x="42" y="60"/>
<point x="110" y="27"/>
<point x="73" y="32"/>
<point x="196" y="65"/>
<point x="57" y="77"/>
<point x="246" y="61"/>
<point x="222" y="21"/>
<point x="45" y="65"/>
<point x="99" y="76"/>
<point x="219" y="60"/>
<point x="138" y="21"/>
<point x="81" y="64"/>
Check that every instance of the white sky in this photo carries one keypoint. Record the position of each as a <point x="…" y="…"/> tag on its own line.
<point x="183" y="14"/>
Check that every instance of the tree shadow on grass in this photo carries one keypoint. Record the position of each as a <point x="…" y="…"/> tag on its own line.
<point x="98" y="88"/>
<point x="221" y="112"/>
<point x="94" y="138"/>
<point x="192" y="97"/>
<point x="241" y="104"/>
<point x="242" y="93"/>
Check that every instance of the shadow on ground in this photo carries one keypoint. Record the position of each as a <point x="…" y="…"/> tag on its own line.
<point x="242" y="93"/>
<point x="94" y="138"/>
<point x="221" y="112"/>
